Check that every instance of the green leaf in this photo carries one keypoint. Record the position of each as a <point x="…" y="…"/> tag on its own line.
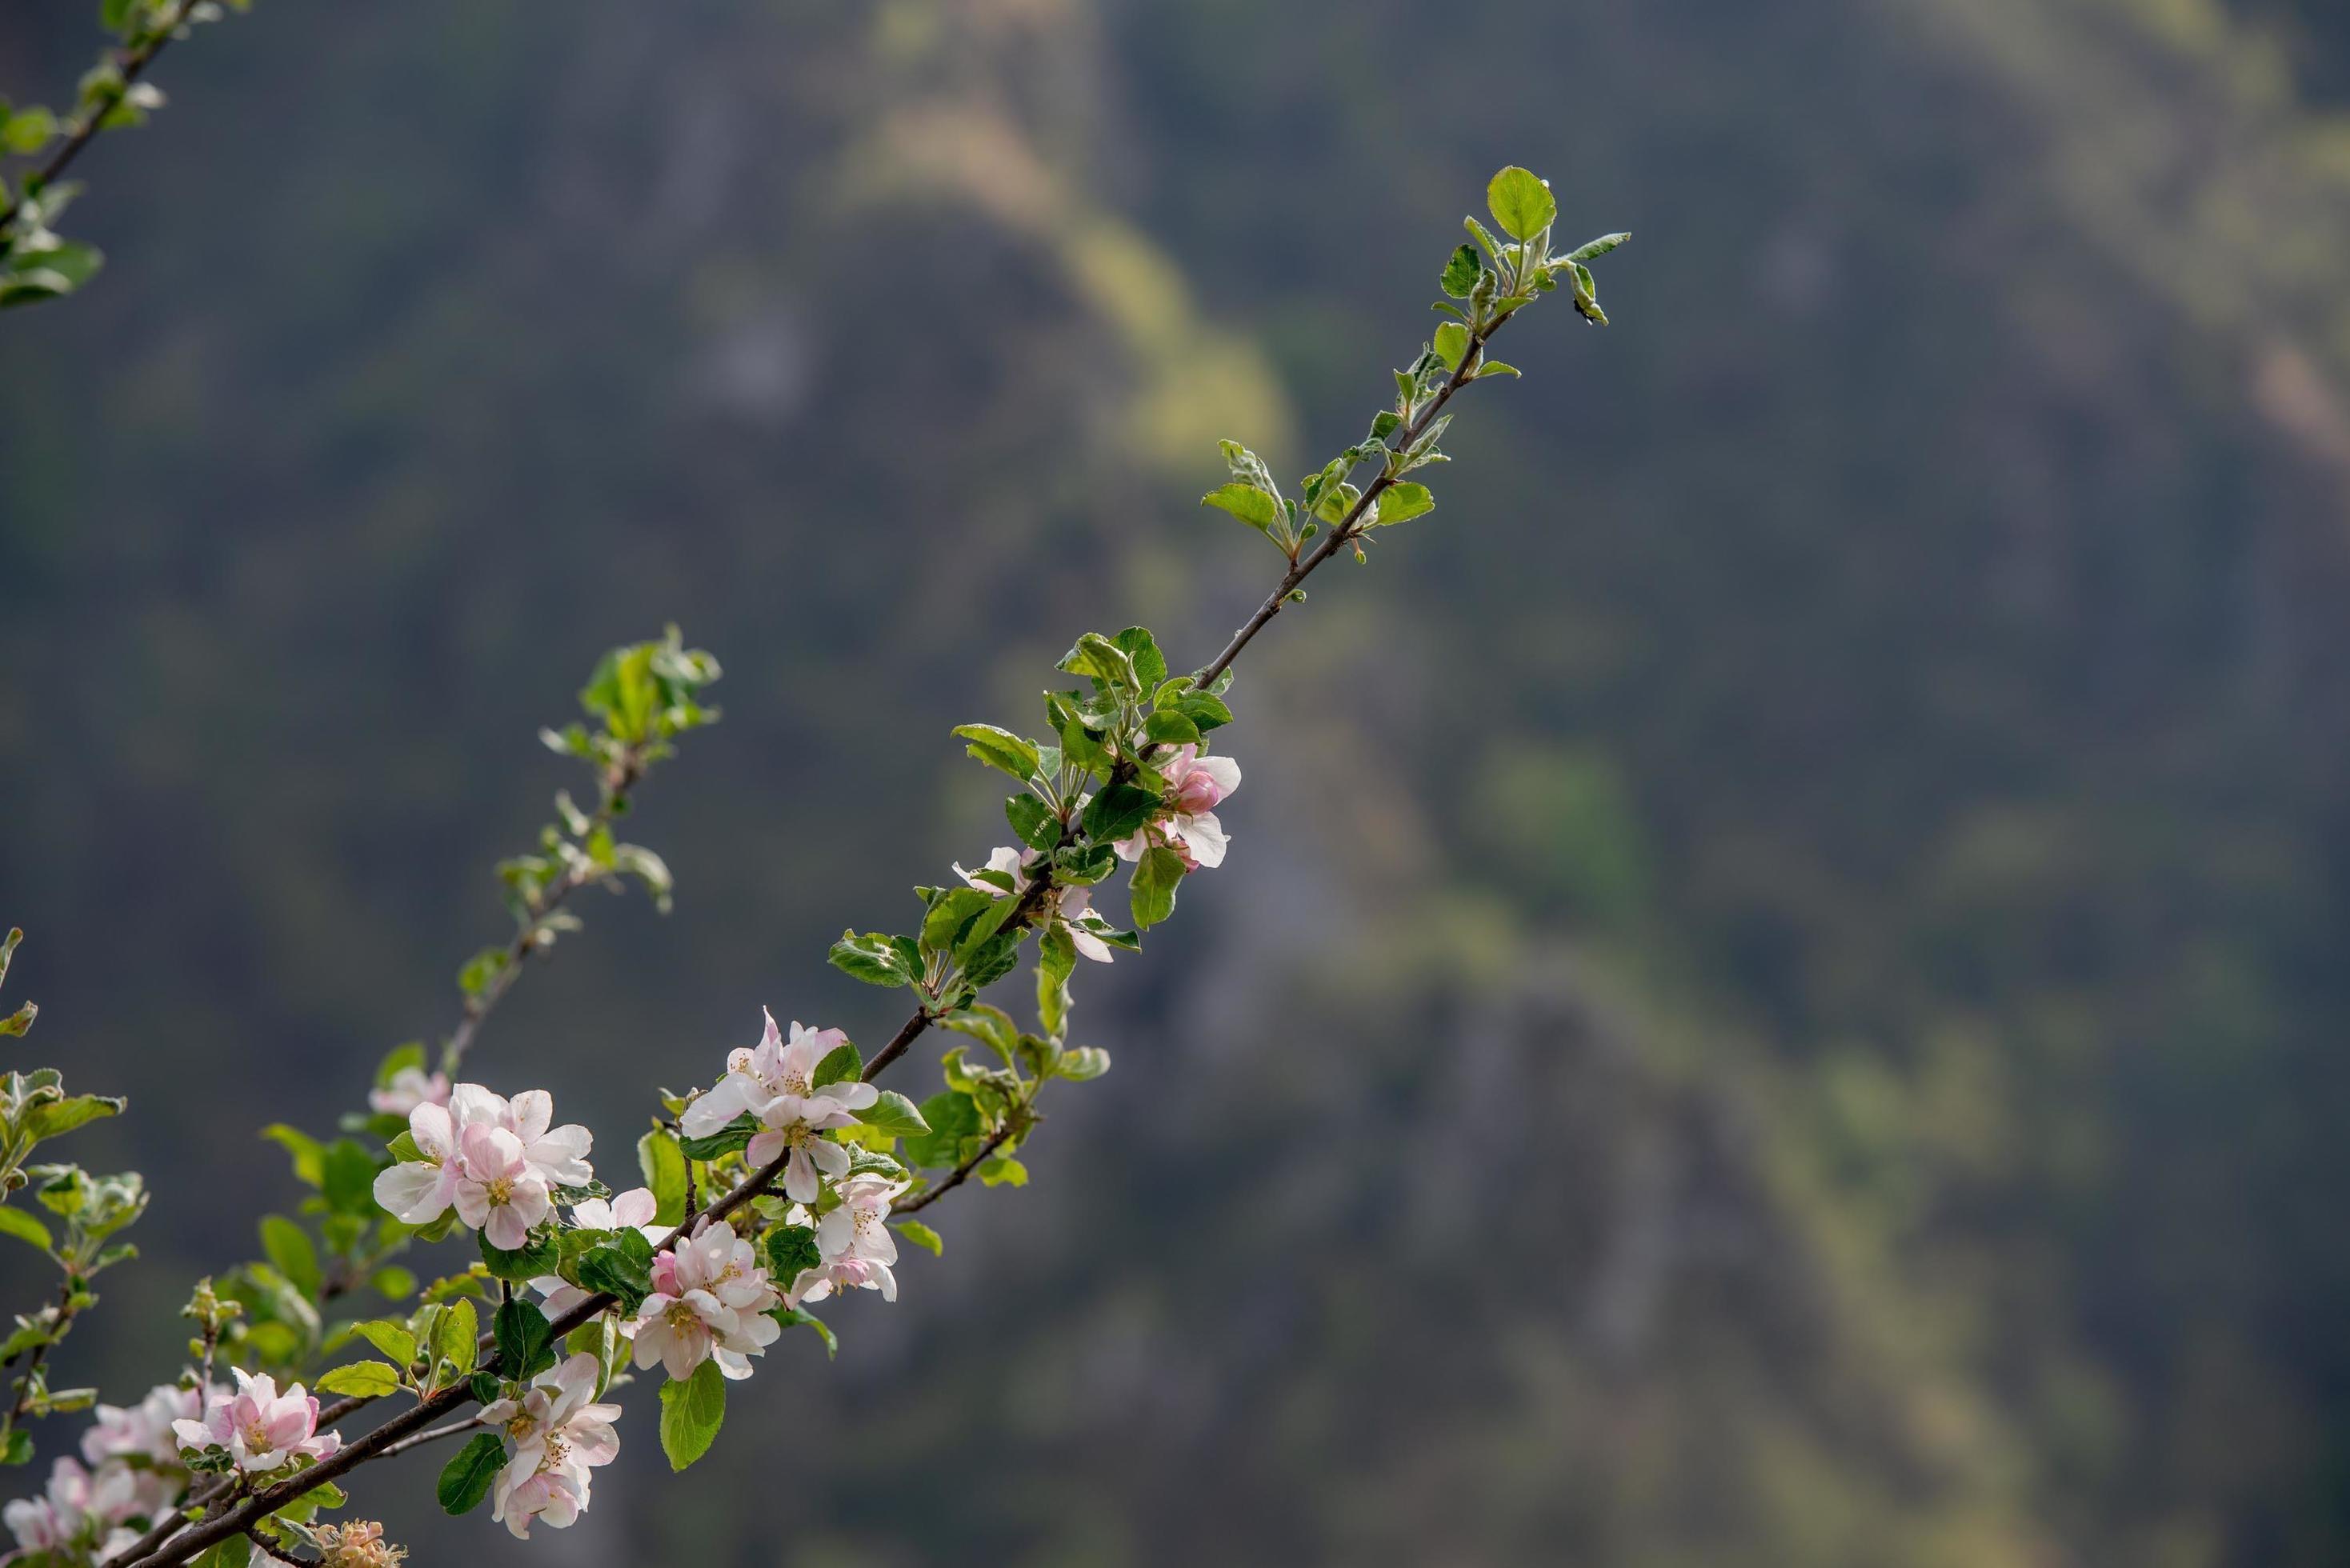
<point x="1002" y="749"/>
<point x="525" y="1339"/>
<point x="538" y="1255"/>
<point x="348" y="1179"/>
<point x="953" y="909"/>
<point x="19" y="1021"/>
<point x="289" y="1248"/>
<point x="465" y="1479"/>
<point x="1169" y="728"/>
<point x="663" y="1161"/>
<point x="692" y="1413"/>
<point x="735" y="1135"/>
<point x="841" y="1065"/>
<point x="393" y="1283"/>
<point x="24" y="1228"/>
<point x="1057" y="958"/>
<point x="1142" y="649"/>
<point x="58" y="1116"/>
<point x="952" y="1118"/>
<point x="1033" y="821"/>
<point x="991" y="1026"/>
<point x="1245" y="502"/>
<point x="921" y="1236"/>
<point x="1151" y="890"/>
<point x="1521" y="203"/>
<point x="1084" y="867"/>
<point x="872" y="958"/>
<point x="1461" y="271"/>
<point x="791" y="1253"/>
<point x="1098" y="659"/>
<point x="893" y="1112"/>
<point x="20" y="1448"/>
<point x="361" y="1379"/>
<point x="1591" y="250"/>
<point x="1003" y="1171"/>
<point x="28" y="130"/>
<point x="1452" y="344"/>
<point x="1118" y="811"/>
<point x="392" y="1338"/>
<point x="1496" y="368"/>
<point x="480" y="970"/>
<point x="621" y="1267"/>
<point x="456" y="1335"/>
<point x="1403" y="501"/>
<point x="1082" y="1064"/>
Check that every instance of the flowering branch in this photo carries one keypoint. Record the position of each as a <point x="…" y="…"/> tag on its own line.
<point x="787" y="1181"/>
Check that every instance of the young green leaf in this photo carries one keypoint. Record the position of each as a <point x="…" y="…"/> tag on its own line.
<point x="1249" y="504"/>
<point x="1461" y="272"/>
<point x="841" y="1065"/>
<point x="921" y="1236"/>
<point x="872" y="958"/>
<point x="1452" y="343"/>
<point x="662" y="1161"/>
<point x="893" y="1112"/>
<point x="361" y="1379"/>
<point x="1521" y="203"/>
<point x="1000" y="747"/>
<point x="524" y="1340"/>
<point x="1591" y="250"/>
<point x="692" y="1413"/>
<point x="290" y="1249"/>
<point x="1401" y="501"/>
<point x="1152" y="889"/>
<point x="465" y="1479"/>
<point x="392" y="1338"/>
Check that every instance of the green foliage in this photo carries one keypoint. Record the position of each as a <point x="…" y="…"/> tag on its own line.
<point x="465" y="1479"/>
<point x="691" y="1414"/>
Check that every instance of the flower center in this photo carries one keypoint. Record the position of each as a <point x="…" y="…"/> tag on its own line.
<point x="500" y="1189"/>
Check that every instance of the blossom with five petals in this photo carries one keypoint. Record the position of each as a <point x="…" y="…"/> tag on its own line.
<point x="1187" y="823"/>
<point x="555" y="1430"/>
<point x="260" y="1428"/>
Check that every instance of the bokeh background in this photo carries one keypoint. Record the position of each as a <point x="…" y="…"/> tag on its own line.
<point x="1780" y="995"/>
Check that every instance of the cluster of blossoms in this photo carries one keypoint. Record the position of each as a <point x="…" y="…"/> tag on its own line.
<point x="555" y="1435"/>
<point x="496" y="1161"/>
<point x="132" y="1471"/>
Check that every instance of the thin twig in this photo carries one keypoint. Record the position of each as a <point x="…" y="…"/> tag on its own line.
<point x="130" y="63"/>
<point x="417" y="1441"/>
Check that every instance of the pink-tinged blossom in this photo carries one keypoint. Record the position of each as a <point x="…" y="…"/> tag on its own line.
<point x="260" y="1428"/>
<point x="557" y="1497"/>
<point x="776" y="1069"/>
<point x="497" y="1191"/>
<point x="709" y="1300"/>
<point x="859" y="1228"/>
<point x="557" y="1155"/>
<point x="1072" y="906"/>
<point x="714" y="1298"/>
<point x="418" y="1192"/>
<point x="408" y="1088"/>
<point x="1187" y="823"/>
<point x="80" y="1513"/>
<point x="775" y="1083"/>
<point x="554" y="1433"/>
<point x="143" y="1430"/>
<point x="845" y="1273"/>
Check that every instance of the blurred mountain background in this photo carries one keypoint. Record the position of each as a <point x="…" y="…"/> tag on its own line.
<point x="1780" y="993"/>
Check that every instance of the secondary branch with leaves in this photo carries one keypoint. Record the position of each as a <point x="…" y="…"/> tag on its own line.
<point x="785" y="1184"/>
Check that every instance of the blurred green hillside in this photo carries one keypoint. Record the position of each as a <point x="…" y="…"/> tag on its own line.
<point x="1844" y="800"/>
